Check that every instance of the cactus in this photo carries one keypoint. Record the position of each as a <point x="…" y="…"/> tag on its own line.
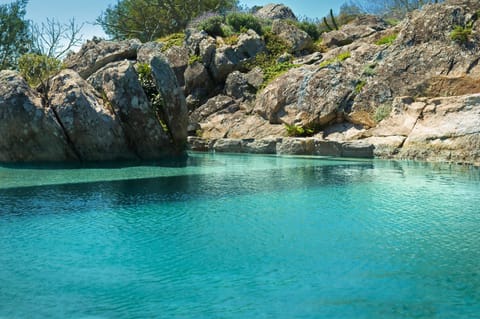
<point x="334" y="22"/>
<point x="332" y="17"/>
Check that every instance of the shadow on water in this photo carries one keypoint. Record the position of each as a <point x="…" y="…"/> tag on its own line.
<point x="176" y="161"/>
<point x="202" y="186"/>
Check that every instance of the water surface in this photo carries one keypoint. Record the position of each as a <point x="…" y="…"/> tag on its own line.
<point x="236" y="236"/>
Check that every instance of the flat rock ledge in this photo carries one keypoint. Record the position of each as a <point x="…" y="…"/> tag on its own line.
<point x="284" y="146"/>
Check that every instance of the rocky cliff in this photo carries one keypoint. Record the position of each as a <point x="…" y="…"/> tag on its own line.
<point x="410" y="91"/>
<point x="114" y="101"/>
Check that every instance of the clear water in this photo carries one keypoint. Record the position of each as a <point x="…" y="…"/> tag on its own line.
<point x="224" y="236"/>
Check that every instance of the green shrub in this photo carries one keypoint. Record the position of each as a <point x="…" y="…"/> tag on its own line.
<point x="460" y="34"/>
<point x="388" y="39"/>
<point x="240" y="22"/>
<point x="339" y="58"/>
<point x="310" y="28"/>
<point x="213" y="26"/>
<point x="231" y="40"/>
<point x="36" y="69"/>
<point x="194" y="58"/>
<point x="147" y="81"/>
<point x="298" y="131"/>
<point x="275" y="45"/>
<point x="369" y="69"/>
<point x="274" y="70"/>
<point x="382" y="112"/>
<point x="359" y="86"/>
<point x="174" y="39"/>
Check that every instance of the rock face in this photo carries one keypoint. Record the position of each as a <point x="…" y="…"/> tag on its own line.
<point x="29" y="132"/>
<point x="95" y="54"/>
<point x="298" y="39"/>
<point x="91" y="126"/>
<point x="101" y="114"/>
<point x="408" y="91"/>
<point x="275" y="11"/>
<point x="143" y="131"/>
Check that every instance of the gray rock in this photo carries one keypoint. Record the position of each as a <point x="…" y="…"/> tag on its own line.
<point x="197" y="77"/>
<point x="227" y="145"/>
<point x="29" y="132"/>
<point x="275" y="11"/>
<point x="213" y="105"/>
<point x="298" y="39"/>
<point x="357" y="149"/>
<point x="175" y="113"/>
<point x="362" y="27"/>
<point x="327" y="148"/>
<point x="95" y="54"/>
<point x="232" y="58"/>
<point x="259" y="146"/>
<point x="199" y="145"/>
<point x="177" y="57"/>
<point x="143" y="130"/>
<point x="295" y="146"/>
<point x="91" y="125"/>
<point x="255" y="77"/>
<point x="237" y="86"/>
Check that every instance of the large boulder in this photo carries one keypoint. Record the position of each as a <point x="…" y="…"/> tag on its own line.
<point x="96" y="53"/>
<point x="214" y="105"/>
<point x="297" y="39"/>
<point x="448" y="130"/>
<point x="238" y="87"/>
<point x="90" y="123"/>
<point x="361" y="27"/>
<point x="175" y="113"/>
<point x="143" y="130"/>
<point x="29" y="132"/>
<point x="227" y="59"/>
<point x="275" y="11"/>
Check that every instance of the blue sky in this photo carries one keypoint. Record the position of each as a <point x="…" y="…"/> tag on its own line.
<point x="88" y="10"/>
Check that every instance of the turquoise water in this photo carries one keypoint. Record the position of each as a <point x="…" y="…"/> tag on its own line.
<point x="225" y="236"/>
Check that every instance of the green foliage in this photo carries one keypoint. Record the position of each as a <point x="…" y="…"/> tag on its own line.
<point x="369" y="69"/>
<point x="310" y="28"/>
<point x="37" y="69"/>
<point x="267" y="61"/>
<point x="147" y="81"/>
<point x="174" y="39"/>
<point x="461" y="34"/>
<point x="240" y="22"/>
<point x="276" y="46"/>
<point x="147" y="20"/>
<point x="392" y="21"/>
<point x="382" y="112"/>
<point x="213" y="26"/>
<point x="298" y="131"/>
<point x="274" y="70"/>
<point x="15" y="38"/>
<point x="231" y="40"/>
<point x="388" y="39"/>
<point x="359" y="86"/>
<point x="339" y="58"/>
<point x="194" y="58"/>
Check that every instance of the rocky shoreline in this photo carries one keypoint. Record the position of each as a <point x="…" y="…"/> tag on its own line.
<point x="408" y="91"/>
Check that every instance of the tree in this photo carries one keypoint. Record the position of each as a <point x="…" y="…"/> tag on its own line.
<point x="54" y="39"/>
<point x="147" y="20"/>
<point x="15" y="38"/>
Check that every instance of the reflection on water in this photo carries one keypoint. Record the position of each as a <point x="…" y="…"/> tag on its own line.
<point x="241" y="237"/>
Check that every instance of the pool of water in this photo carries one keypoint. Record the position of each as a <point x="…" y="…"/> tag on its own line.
<point x="236" y="236"/>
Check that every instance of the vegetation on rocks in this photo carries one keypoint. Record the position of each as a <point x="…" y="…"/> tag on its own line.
<point x="339" y="58"/>
<point x="387" y="40"/>
<point x="298" y="131"/>
<point x="36" y="69"/>
<point x="461" y="34"/>
<point x="171" y="40"/>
